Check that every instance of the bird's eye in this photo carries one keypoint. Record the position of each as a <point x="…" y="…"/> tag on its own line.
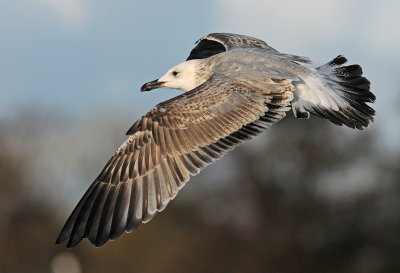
<point x="175" y="73"/>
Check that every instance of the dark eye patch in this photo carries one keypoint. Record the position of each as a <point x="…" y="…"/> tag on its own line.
<point x="175" y="73"/>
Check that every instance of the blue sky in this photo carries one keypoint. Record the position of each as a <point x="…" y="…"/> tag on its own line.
<point x="53" y="57"/>
<point x="79" y="57"/>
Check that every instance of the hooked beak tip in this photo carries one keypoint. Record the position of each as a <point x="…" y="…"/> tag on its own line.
<point x="151" y="85"/>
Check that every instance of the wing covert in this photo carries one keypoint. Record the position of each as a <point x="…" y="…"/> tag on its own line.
<point x="215" y="43"/>
<point x="176" y="139"/>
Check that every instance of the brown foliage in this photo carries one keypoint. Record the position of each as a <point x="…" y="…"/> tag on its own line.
<point x="303" y="197"/>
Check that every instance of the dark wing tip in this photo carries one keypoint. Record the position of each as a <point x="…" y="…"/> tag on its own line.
<point x="73" y="241"/>
<point x="206" y="48"/>
<point x="61" y="238"/>
<point x="215" y="43"/>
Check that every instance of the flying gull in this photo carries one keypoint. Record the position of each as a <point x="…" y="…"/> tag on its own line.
<point x="234" y="87"/>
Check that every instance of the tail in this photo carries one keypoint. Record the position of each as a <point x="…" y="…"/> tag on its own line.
<point x="344" y="101"/>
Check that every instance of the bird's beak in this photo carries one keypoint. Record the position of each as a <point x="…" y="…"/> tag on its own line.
<point x="151" y="85"/>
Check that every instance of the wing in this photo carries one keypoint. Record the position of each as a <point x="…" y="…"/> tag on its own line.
<point x="215" y="43"/>
<point x="338" y="93"/>
<point x="176" y="139"/>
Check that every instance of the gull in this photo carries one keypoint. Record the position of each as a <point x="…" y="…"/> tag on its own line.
<point x="235" y="87"/>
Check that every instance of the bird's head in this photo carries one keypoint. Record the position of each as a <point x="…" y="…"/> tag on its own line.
<point x="184" y="76"/>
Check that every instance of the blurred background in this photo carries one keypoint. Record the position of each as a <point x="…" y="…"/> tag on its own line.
<point x="305" y="196"/>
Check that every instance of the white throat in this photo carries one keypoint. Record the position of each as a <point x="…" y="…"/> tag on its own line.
<point x="185" y="76"/>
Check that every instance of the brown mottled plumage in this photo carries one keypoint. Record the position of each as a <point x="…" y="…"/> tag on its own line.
<point x="239" y="86"/>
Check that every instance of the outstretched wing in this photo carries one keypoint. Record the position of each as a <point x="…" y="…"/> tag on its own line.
<point x="215" y="43"/>
<point x="177" y="138"/>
